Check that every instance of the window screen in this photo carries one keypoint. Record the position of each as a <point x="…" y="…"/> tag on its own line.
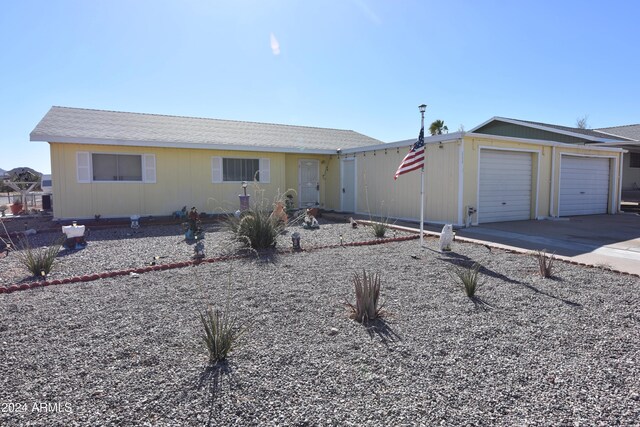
<point x="634" y="160"/>
<point x="117" y="167"/>
<point x="240" y="169"/>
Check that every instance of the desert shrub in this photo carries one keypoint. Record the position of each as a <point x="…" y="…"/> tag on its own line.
<point x="39" y="261"/>
<point x="367" y="289"/>
<point x="221" y="332"/>
<point x="469" y="278"/>
<point x="255" y="228"/>
<point x="545" y="263"/>
<point x="380" y="228"/>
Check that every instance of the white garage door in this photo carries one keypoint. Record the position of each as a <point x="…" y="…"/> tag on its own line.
<point x="584" y="185"/>
<point x="505" y="186"/>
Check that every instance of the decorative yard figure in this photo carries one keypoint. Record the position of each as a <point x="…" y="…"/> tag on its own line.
<point x="182" y="213"/>
<point x="75" y="236"/>
<point x="279" y="214"/>
<point x="198" y="250"/>
<point x="193" y="226"/>
<point x="446" y="237"/>
<point x="310" y="221"/>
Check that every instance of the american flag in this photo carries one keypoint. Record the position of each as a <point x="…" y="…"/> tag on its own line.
<point x="414" y="159"/>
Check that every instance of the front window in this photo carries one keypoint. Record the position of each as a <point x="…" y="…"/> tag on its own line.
<point x="240" y="169"/>
<point x="634" y="160"/>
<point x="116" y="167"/>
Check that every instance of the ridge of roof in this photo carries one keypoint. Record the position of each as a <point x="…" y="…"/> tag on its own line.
<point x="200" y="118"/>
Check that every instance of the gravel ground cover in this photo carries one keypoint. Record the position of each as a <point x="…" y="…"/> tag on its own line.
<point x="126" y="350"/>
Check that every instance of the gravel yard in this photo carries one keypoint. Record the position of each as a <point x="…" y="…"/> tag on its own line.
<point x="127" y="351"/>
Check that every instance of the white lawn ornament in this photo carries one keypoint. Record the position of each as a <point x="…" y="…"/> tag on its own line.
<point x="446" y="238"/>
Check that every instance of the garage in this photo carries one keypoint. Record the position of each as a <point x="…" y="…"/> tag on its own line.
<point x="584" y="185"/>
<point x="505" y="185"/>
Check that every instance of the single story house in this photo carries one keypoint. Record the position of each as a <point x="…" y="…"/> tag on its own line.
<point x="630" y="136"/>
<point x="120" y="164"/>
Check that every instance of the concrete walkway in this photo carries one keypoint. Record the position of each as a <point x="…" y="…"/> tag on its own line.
<point x="611" y="241"/>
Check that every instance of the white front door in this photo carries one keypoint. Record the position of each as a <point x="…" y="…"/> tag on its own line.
<point x="308" y="183"/>
<point x="348" y="185"/>
<point x="584" y="185"/>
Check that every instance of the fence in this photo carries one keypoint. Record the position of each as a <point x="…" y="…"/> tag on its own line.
<point x="34" y="200"/>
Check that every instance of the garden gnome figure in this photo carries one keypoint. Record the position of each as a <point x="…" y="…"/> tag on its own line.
<point x="446" y="237"/>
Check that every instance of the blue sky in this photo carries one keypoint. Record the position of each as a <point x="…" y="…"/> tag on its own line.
<point x="348" y="64"/>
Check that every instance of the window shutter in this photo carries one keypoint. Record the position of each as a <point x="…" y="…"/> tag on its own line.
<point x="149" y="168"/>
<point x="265" y="171"/>
<point x="83" y="167"/>
<point x="216" y="170"/>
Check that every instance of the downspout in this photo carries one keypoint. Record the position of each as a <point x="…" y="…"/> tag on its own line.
<point x="621" y="160"/>
<point x="553" y="179"/>
<point x="462" y="212"/>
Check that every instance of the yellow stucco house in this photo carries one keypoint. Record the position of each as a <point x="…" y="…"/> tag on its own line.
<point x="119" y="164"/>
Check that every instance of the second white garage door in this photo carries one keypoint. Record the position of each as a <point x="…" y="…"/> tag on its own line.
<point x="584" y="185"/>
<point x="505" y="186"/>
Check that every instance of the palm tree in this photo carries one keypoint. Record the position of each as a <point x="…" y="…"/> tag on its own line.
<point x="437" y="127"/>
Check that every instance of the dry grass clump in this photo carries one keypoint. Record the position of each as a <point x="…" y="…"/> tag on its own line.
<point x="469" y="277"/>
<point x="221" y="332"/>
<point x="38" y="261"/>
<point x="367" y="289"/>
<point x="255" y="228"/>
<point x="545" y="263"/>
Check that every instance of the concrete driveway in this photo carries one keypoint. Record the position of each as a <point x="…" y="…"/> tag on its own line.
<point x="602" y="240"/>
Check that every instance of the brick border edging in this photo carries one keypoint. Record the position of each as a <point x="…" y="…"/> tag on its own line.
<point x="141" y="270"/>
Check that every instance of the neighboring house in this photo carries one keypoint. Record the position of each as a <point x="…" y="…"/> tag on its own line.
<point x="119" y="164"/>
<point x="631" y="170"/>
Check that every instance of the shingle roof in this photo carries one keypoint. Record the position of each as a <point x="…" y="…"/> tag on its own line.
<point x="77" y="125"/>
<point x="586" y="132"/>
<point x="628" y="131"/>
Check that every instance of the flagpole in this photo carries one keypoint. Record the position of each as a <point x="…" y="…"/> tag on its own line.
<point x="422" y="109"/>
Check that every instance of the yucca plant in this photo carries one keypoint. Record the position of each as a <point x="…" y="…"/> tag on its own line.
<point x="221" y="332"/>
<point x="255" y="228"/>
<point x="367" y="289"/>
<point x="469" y="278"/>
<point x="545" y="263"/>
<point x="38" y="261"/>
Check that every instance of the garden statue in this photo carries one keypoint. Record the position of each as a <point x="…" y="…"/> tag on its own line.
<point x="279" y="214"/>
<point x="198" y="250"/>
<point x="193" y="226"/>
<point x="446" y="238"/>
<point x="310" y="221"/>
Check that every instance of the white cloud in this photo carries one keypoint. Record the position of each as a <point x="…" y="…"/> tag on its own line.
<point x="275" y="46"/>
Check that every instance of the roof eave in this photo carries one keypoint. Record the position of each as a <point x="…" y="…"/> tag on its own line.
<point x="445" y="137"/>
<point x="594" y="146"/>
<point x="540" y="127"/>
<point x="157" y="144"/>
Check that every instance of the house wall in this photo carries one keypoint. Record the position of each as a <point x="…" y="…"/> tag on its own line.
<point x="379" y="195"/>
<point x="183" y="178"/>
<point x="630" y="176"/>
